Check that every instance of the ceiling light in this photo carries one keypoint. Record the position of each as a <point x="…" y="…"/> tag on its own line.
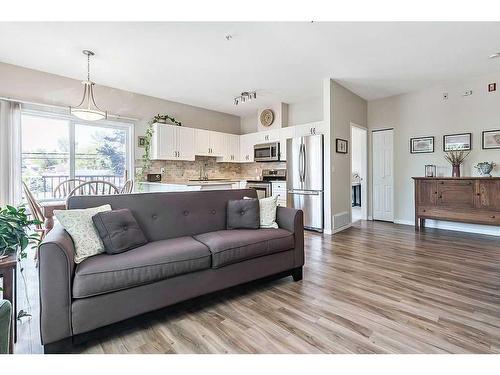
<point x="88" y="109"/>
<point x="495" y="55"/>
<point x="245" y="96"/>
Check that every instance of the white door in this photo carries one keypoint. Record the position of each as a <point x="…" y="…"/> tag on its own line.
<point x="383" y="175"/>
<point x="185" y="143"/>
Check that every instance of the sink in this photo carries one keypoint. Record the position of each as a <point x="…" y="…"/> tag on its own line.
<point x="210" y="179"/>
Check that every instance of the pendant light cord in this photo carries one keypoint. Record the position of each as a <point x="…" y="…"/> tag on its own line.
<point x="88" y="67"/>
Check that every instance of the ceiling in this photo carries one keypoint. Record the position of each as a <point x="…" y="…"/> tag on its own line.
<point x="193" y="63"/>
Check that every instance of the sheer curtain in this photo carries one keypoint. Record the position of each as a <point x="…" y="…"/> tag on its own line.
<point x="10" y="153"/>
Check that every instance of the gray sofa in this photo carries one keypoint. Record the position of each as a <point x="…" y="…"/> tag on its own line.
<point x="189" y="253"/>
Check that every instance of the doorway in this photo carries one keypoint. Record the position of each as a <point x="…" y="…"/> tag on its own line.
<point x="359" y="173"/>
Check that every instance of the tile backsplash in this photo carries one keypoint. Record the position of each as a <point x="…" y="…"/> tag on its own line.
<point x="181" y="171"/>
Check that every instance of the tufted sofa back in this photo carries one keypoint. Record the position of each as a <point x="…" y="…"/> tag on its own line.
<point x="169" y="215"/>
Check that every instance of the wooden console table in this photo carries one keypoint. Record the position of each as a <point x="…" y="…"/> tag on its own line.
<point x="474" y="200"/>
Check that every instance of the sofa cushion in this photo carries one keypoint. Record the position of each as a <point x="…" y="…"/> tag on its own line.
<point x="243" y="214"/>
<point x="119" y="230"/>
<point x="146" y="264"/>
<point x="232" y="246"/>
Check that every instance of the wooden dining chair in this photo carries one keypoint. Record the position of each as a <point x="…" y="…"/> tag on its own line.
<point x="35" y="209"/>
<point x="128" y="187"/>
<point x="94" y="188"/>
<point x="62" y="190"/>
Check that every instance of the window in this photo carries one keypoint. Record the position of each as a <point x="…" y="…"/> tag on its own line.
<point x="58" y="147"/>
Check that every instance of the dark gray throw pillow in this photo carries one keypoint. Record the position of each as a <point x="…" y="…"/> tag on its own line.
<point x="243" y="214"/>
<point x="118" y="230"/>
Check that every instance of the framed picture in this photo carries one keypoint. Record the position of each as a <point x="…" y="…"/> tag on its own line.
<point x="491" y="139"/>
<point x="341" y="146"/>
<point x="457" y="142"/>
<point x="421" y="145"/>
<point x="141" y="141"/>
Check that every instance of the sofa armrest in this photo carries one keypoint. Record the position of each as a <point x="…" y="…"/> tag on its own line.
<point x="55" y="272"/>
<point x="293" y="221"/>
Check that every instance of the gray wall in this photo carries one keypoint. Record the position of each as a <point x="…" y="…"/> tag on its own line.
<point x="32" y="85"/>
<point x="425" y="113"/>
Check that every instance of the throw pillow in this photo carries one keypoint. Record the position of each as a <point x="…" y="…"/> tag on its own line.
<point x="79" y="225"/>
<point x="243" y="214"/>
<point x="119" y="231"/>
<point x="267" y="211"/>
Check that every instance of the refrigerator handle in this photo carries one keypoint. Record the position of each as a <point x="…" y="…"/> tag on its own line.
<point x="301" y="162"/>
<point x="304" y="163"/>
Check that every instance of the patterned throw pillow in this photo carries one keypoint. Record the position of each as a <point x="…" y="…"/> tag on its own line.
<point x="79" y="225"/>
<point x="268" y="211"/>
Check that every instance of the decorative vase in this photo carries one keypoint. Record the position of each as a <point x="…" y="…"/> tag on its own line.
<point x="455" y="171"/>
<point x="485" y="168"/>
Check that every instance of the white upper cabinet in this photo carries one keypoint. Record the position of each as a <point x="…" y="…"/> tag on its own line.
<point x="309" y="129"/>
<point x="209" y="143"/>
<point x="202" y="142"/>
<point x="172" y="142"/>
<point x="247" y="141"/>
<point x="231" y="148"/>
<point x="285" y="133"/>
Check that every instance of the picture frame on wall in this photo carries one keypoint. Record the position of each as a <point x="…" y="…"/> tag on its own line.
<point x="422" y="145"/>
<point x="491" y="139"/>
<point x="141" y="141"/>
<point x="341" y="146"/>
<point x="462" y="141"/>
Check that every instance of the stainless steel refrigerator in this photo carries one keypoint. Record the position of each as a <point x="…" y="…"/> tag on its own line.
<point x="305" y="178"/>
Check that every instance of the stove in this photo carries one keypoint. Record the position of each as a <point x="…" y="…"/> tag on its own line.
<point x="263" y="186"/>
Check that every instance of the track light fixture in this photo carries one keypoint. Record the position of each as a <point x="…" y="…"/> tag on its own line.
<point x="245" y="96"/>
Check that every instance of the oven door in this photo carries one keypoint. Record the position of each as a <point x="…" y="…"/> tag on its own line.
<point x="263" y="190"/>
<point x="266" y="152"/>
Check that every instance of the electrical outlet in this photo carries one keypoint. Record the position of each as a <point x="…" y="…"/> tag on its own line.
<point x="162" y="170"/>
<point x="467" y="93"/>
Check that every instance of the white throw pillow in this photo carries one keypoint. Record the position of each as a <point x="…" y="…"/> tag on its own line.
<point x="268" y="211"/>
<point x="78" y="223"/>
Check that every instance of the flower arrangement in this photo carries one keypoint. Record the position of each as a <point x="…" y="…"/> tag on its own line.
<point x="456" y="158"/>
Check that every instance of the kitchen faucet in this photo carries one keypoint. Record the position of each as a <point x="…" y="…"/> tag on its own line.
<point x="203" y="173"/>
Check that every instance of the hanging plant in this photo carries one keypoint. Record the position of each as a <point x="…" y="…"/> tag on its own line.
<point x="146" y="157"/>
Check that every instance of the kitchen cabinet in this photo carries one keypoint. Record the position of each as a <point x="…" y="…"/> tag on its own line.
<point x="170" y="142"/>
<point x="231" y="148"/>
<point x="247" y="141"/>
<point x="285" y="133"/>
<point x="208" y="143"/>
<point x="309" y="129"/>
<point x="279" y="188"/>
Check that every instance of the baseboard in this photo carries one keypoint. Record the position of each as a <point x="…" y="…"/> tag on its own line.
<point x="327" y="231"/>
<point x="369" y="217"/>
<point x="459" y="227"/>
<point x="342" y="228"/>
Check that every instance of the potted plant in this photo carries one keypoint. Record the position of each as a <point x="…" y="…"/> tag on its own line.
<point x="456" y="158"/>
<point x="15" y="235"/>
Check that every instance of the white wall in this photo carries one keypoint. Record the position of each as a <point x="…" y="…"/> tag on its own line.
<point x="309" y="110"/>
<point x="32" y="85"/>
<point x="425" y="113"/>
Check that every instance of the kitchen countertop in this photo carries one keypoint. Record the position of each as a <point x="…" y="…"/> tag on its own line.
<point x="195" y="183"/>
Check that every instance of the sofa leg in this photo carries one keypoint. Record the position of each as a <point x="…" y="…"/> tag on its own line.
<point x="297" y="274"/>
<point x="63" y="346"/>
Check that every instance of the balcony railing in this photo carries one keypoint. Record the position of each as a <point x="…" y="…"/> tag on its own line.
<point x="43" y="186"/>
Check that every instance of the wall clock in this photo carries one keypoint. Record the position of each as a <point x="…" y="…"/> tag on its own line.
<point x="267" y="117"/>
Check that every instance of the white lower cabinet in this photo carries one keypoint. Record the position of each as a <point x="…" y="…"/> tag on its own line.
<point x="279" y="188"/>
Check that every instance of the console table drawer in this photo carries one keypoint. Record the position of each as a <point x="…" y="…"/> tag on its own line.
<point x="479" y="217"/>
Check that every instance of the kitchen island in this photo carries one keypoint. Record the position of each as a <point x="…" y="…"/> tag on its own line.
<point x="151" y="187"/>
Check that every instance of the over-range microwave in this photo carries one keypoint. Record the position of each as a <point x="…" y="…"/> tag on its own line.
<point x="267" y="152"/>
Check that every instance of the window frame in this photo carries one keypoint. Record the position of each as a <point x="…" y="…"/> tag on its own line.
<point x="129" y="128"/>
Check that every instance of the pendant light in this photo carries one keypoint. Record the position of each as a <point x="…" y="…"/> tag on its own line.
<point x="87" y="109"/>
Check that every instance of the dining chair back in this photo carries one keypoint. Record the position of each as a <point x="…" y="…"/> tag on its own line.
<point x="94" y="188"/>
<point x="62" y="190"/>
<point x="35" y="209"/>
<point x="127" y="187"/>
